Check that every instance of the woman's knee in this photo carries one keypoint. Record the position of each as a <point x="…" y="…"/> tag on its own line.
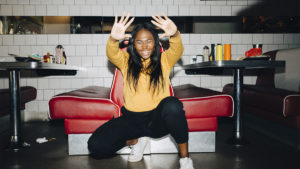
<point x="172" y="105"/>
<point x="99" y="146"/>
<point x="94" y="145"/>
<point x="98" y="150"/>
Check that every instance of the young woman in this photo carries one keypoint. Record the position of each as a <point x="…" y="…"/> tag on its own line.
<point x="149" y="110"/>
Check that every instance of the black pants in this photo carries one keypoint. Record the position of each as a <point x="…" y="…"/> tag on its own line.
<point x="167" y="117"/>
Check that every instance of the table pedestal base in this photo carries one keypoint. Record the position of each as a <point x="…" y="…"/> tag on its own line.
<point x="16" y="146"/>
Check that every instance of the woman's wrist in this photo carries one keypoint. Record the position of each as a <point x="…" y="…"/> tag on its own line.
<point x="175" y="34"/>
<point x="113" y="39"/>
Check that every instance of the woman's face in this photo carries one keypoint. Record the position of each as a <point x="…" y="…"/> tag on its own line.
<point x="144" y="43"/>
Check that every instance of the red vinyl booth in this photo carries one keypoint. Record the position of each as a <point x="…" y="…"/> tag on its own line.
<point x="84" y="110"/>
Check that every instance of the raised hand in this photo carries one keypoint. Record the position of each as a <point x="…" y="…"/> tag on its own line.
<point x="119" y="27"/>
<point x="166" y="24"/>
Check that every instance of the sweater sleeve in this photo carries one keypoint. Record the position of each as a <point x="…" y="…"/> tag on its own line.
<point x="115" y="54"/>
<point x="175" y="51"/>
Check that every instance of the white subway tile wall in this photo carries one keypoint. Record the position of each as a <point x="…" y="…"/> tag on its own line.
<point x="63" y="10"/>
<point x="40" y="10"/>
<point x="216" y="11"/>
<point x="172" y="10"/>
<point x="29" y="10"/>
<point x="88" y="51"/>
<point x="183" y="10"/>
<point x="110" y="7"/>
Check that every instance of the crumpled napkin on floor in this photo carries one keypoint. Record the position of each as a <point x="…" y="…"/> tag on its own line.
<point x="44" y="140"/>
<point x="41" y="140"/>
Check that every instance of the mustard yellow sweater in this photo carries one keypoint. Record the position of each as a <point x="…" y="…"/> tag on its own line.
<point x="143" y="99"/>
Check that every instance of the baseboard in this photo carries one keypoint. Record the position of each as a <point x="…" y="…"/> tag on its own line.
<point x="198" y="142"/>
<point x="279" y="132"/>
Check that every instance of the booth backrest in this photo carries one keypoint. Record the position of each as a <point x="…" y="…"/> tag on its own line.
<point x="289" y="79"/>
<point x="286" y="78"/>
<point x="265" y="78"/>
<point x="116" y="93"/>
<point x="27" y="93"/>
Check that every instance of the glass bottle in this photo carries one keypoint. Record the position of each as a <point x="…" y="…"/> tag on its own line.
<point x="58" y="54"/>
<point x="64" y="58"/>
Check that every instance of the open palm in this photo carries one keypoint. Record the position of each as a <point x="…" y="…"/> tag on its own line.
<point x="166" y="24"/>
<point x="119" y="27"/>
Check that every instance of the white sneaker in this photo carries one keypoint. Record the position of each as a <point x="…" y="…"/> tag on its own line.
<point x="137" y="150"/>
<point x="186" y="163"/>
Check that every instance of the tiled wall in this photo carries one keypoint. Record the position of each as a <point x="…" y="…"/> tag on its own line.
<point x="135" y="7"/>
<point x="88" y="50"/>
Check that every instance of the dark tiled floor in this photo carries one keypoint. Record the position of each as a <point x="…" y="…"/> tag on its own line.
<point x="261" y="153"/>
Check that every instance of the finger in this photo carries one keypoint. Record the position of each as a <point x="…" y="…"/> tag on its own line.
<point x="162" y="35"/>
<point x="156" y="19"/>
<point x="128" y="24"/>
<point x="127" y="36"/>
<point x="122" y="18"/>
<point x="116" y="19"/>
<point x="157" y="24"/>
<point x="161" y="19"/>
<point x="165" y="16"/>
<point x="126" y="19"/>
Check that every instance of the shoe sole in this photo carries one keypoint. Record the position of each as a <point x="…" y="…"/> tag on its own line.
<point x="135" y="160"/>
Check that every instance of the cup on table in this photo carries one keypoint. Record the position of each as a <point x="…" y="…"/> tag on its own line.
<point x="227" y="52"/>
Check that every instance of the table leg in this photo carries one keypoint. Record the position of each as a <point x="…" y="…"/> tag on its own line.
<point x="16" y="140"/>
<point x="237" y="139"/>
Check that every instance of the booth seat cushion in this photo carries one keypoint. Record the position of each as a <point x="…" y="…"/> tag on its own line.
<point x="86" y="126"/>
<point x="84" y="110"/>
<point x="82" y="126"/>
<point x="290" y="121"/>
<point x="202" y="124"/>
<point x="90" y="92"/>
<point x="291" y="106"/>
<point x="274" y="100"/>
<point x="92" y="102"/>
<point x="27" y="94"/>
<point x="200" y="102"/>
<point x="201" y="111"/>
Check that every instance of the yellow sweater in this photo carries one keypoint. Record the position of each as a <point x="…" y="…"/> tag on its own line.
<point x="143" y="99"/>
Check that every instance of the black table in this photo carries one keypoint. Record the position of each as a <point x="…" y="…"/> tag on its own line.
<point x="14" y="69"/>
<point x="238" y="67"/>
